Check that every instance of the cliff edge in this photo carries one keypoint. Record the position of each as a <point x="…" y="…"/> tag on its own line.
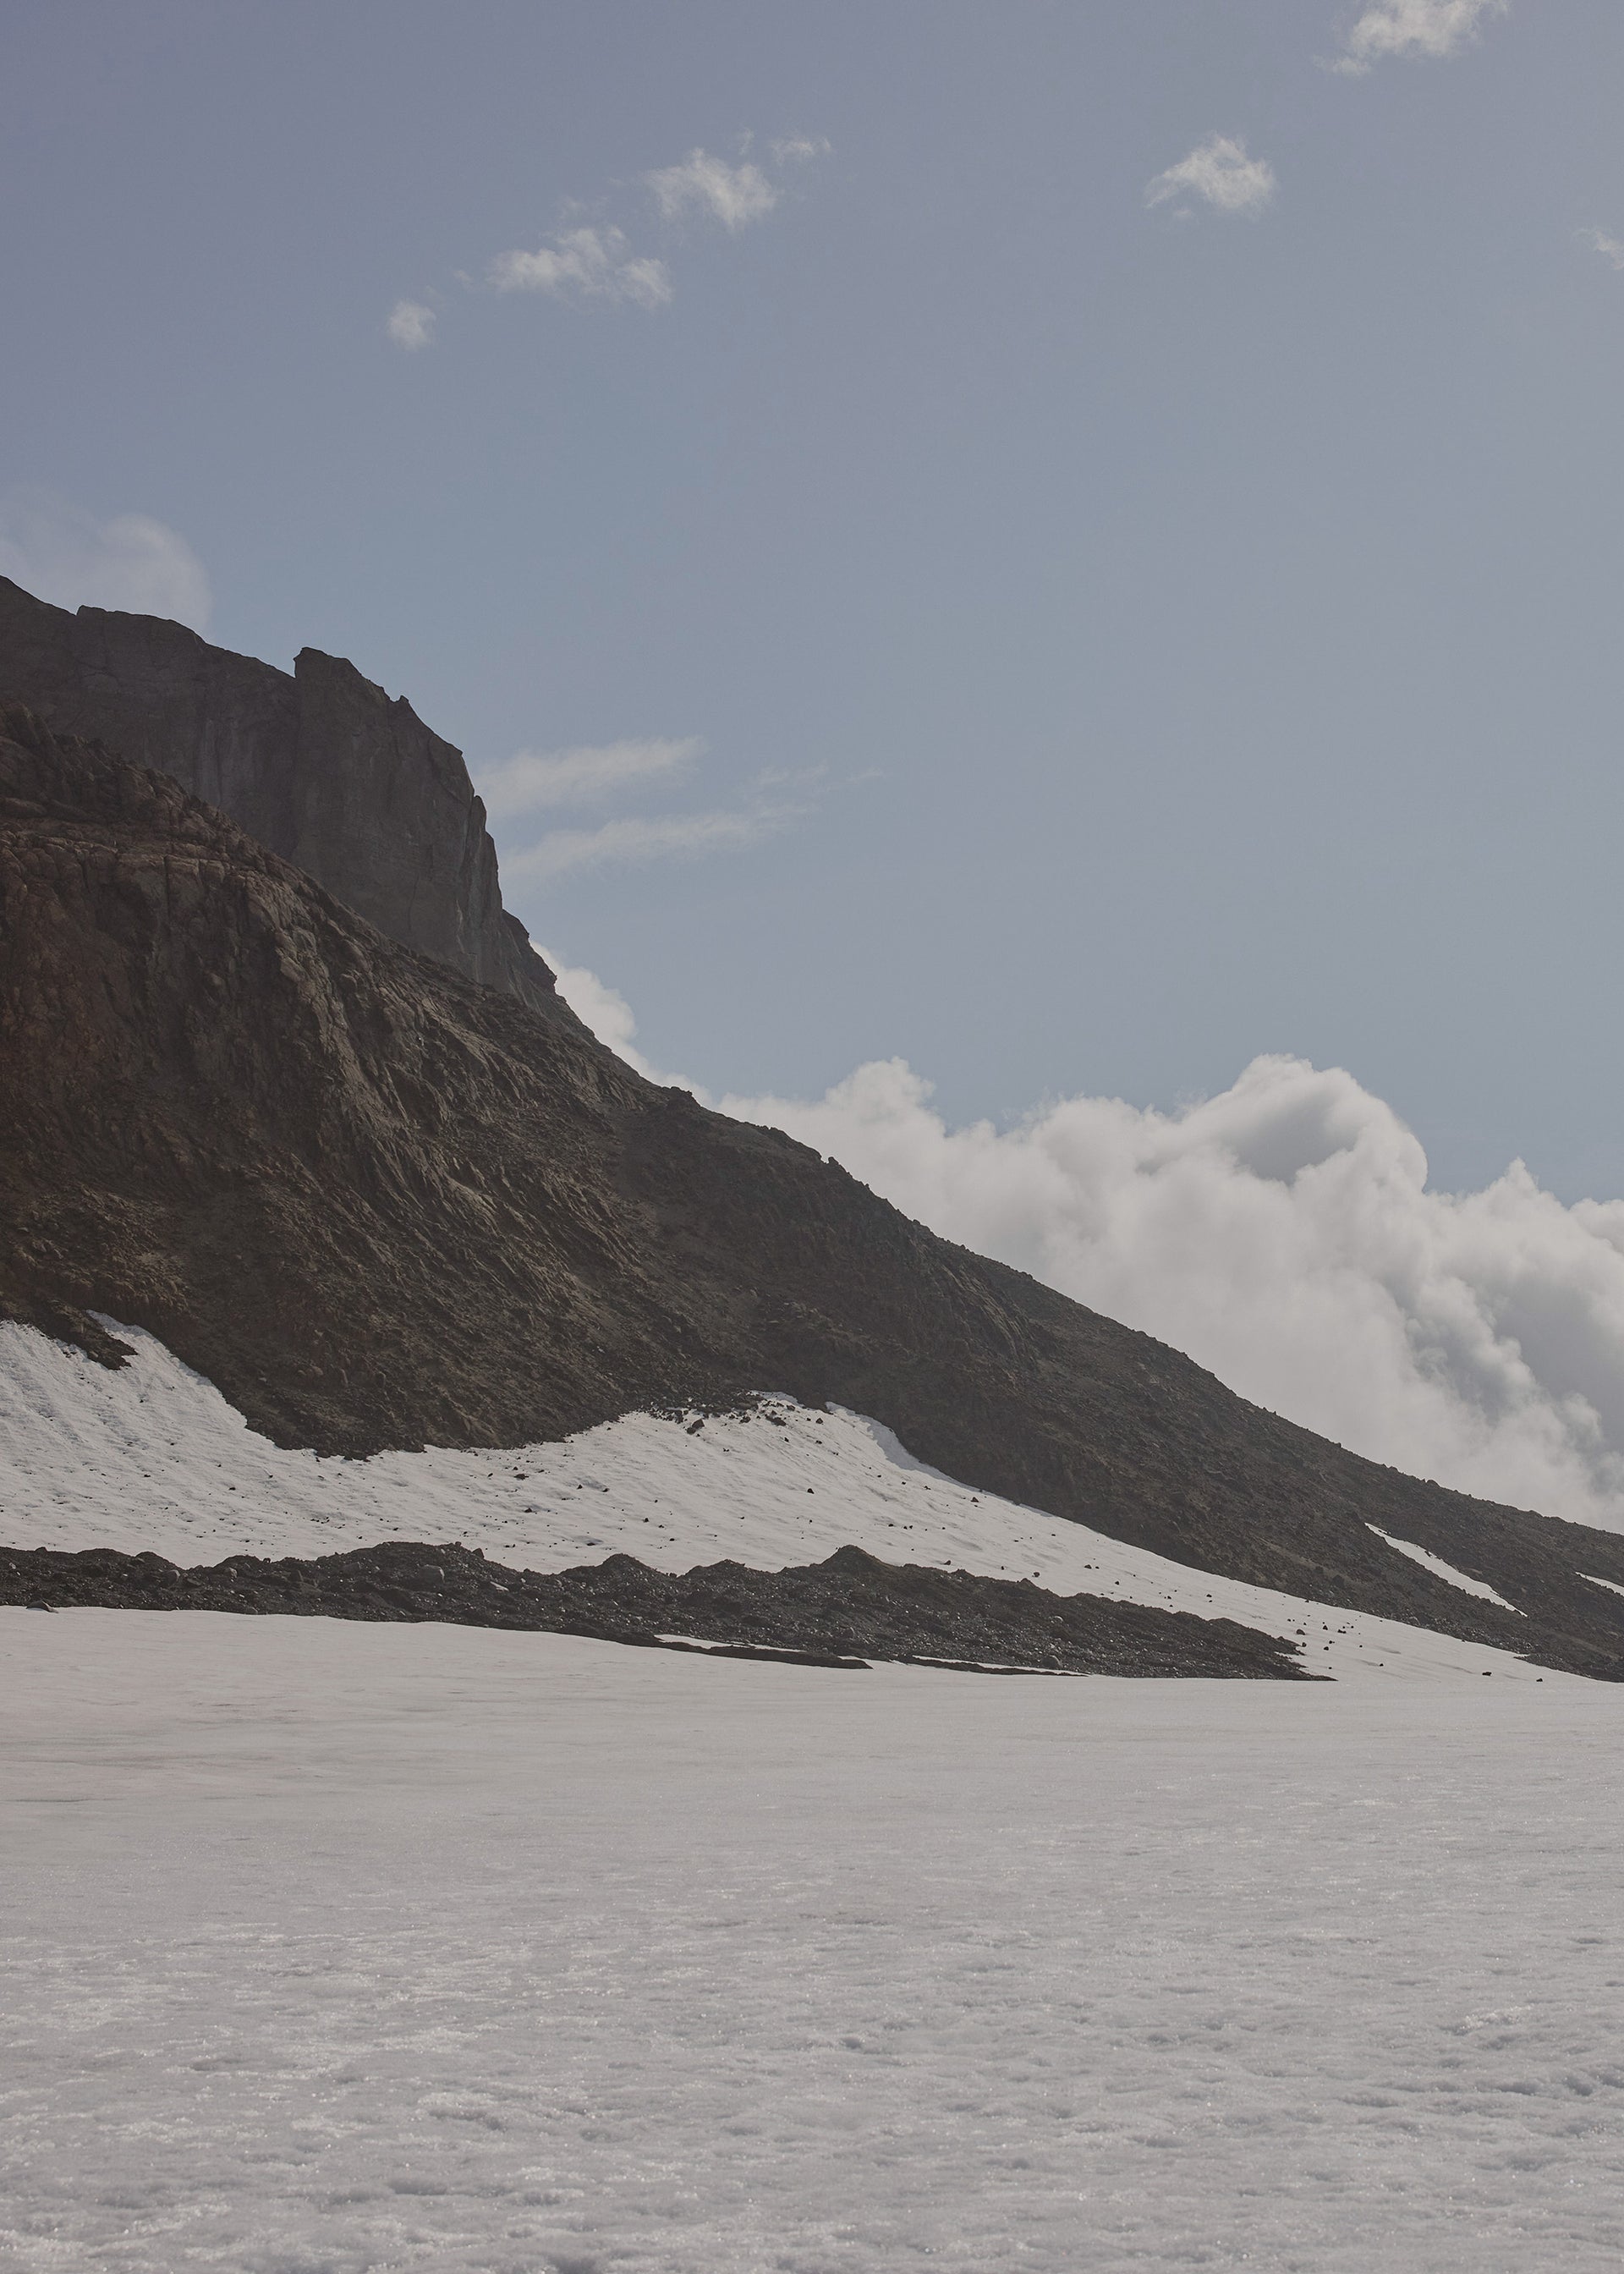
<point x="319" y="764"/>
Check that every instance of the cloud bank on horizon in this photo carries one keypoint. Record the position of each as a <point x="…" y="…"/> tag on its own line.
<point x="1284" y="1234"/>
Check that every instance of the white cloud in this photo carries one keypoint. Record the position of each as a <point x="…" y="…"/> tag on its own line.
<point x="594" y="262"/>
<point x="639" y="838"/>
<point x="796" y="149"/>
<point x="609" y="1015"/>
<point x="534" y="779"/>
<point x="131" y="562"/>
<point x="1415" y="27"/>
<point x="598" y="1005"/>
<point x="734" y="195"/>
<point x="1220" y="172"/>
<point x="1283" y="1235"/>
<point x="411" y="324"/>
<point x="1611" y="248"/>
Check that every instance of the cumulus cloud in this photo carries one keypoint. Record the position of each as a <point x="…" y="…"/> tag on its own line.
<point x="641" y="838"/>
<point x="1284" y="1234"/>
<point x="591" y="262"/>
<point x="734" y="195"/>
<point x="132" y="562"/>
<point x="1611" y="248"/>
<point x="1220" y="172"/>
<point x="609" y="1015"/>
<point x="411" y="324"/>
<point x="1415" y="27"/>
<point x="585" y="775"/>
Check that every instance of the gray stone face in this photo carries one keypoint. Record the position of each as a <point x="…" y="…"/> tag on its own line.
<point x="318" y="764"/>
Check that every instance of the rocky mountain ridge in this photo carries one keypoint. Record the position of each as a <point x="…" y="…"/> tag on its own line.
<point x="378" y="1203"/>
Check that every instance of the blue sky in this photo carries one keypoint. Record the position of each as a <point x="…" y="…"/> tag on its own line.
<point x="1073" y="628"/>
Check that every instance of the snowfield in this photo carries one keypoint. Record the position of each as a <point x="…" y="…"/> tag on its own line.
<point x="330" y="1948"/>
<point x="152" y="1457"/>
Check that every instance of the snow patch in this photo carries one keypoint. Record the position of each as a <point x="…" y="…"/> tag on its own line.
<point x="152" y="1457"/>
<point x="1442" y="1571"/>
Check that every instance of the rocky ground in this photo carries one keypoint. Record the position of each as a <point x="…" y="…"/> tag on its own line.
<point x="842" y="1612"/>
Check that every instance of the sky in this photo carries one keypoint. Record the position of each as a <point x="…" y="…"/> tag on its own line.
<point x="1074" y="546"/>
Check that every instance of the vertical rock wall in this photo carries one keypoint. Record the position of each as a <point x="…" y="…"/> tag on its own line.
<point x="317" y="764"/>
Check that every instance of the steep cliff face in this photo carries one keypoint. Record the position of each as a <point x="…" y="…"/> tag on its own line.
<point x="378" y="1204"/>
<point x="319" y="764"/>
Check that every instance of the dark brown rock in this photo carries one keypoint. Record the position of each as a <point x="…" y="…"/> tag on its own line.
<point x="319" y="764"/>
<point x="851" y="1607"/>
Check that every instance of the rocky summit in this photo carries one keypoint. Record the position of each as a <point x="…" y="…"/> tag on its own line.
<point x="381" y="1203"/>
<point x="317" y="765"/>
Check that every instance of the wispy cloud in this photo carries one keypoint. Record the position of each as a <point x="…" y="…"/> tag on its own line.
<point x="1415" y="27"/>
<point x="1220" y="172"/>
<point x="1611" y="248"/>
<point x="643" y="838"/>
<point x="796" y="149"/>
<point x="410" y="325"/>
<point x="60" y="553"/>
<point x="593" y="263"/>
<point x="535" y="780"/>
<point x="734" y="195"/>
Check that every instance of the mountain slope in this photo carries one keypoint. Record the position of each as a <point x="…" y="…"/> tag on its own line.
<point x="379" y="1204"/>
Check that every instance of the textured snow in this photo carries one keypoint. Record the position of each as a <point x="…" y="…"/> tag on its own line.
<point x="330" y="1947"/>
<point x="151" y="1456"/>
<point x="1436" y="1565"/>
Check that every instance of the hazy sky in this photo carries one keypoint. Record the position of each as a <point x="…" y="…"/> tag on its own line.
<point x="1074" y="544"/>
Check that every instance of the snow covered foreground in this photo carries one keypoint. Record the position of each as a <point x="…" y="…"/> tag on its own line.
<point x="152" y="1457"/>
<point x="327" y="1948"/>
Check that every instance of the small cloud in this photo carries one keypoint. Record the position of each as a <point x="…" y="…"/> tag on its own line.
<point x="1415" y="27"/>
<point x="1611" y="248"/>
<point x="585" y="775"/>
<point x="1220" y="172"/>
<point x="411" y="324"/>
<point x="654" y="838"/>
<point x="796" y="149"/>
<point x="130" y="562"/>
<point x="734" y="195"/>
<point x="593" y="263"/>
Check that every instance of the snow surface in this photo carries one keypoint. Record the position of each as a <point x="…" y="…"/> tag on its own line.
<point x="1442" y="1571"/>
<point x="327" y="1948"/>
<point x="151" y="1456"/>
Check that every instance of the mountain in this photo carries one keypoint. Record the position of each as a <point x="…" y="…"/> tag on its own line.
<point x="379" y="1204"/>
<point x="319" y="764"/>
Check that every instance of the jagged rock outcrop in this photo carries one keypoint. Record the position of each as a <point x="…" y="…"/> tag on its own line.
<point x="319" y="764"/>
<point x="848" y="1609"/>
<point x="378" y="1204"/>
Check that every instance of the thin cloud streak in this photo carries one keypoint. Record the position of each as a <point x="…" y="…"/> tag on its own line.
<point x="532" y="781"/>
<point x="1436" y="28"/>
<point x="640" y="838"/>
<point x="1611" y="248"/>
<point x="1220" y="172"/>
